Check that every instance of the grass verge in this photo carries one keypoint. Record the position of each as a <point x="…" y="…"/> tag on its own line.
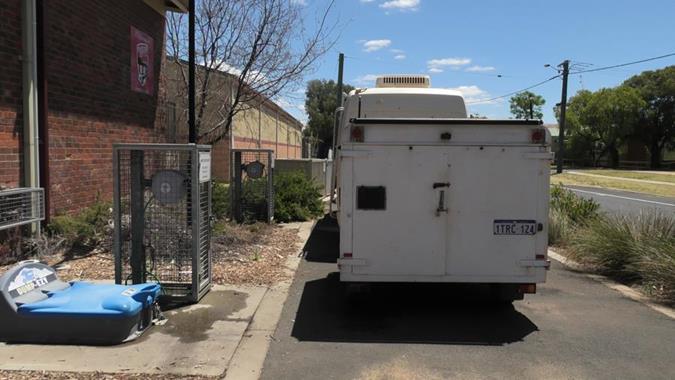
<point x="648" y="176"/>
<point x="634" y="249"/>
<point x="618" y="184"/>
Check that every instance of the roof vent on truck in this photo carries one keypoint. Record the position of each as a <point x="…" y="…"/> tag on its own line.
<point x="406" y="81"/>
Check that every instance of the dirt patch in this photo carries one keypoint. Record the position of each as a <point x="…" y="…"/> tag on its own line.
<point x="252" y="254"/>
<point x="31" y="375"/>
<point x="97" y="265"/>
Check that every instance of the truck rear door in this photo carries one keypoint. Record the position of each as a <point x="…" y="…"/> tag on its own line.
<point x="396" y="227"/>
<point x="497" y="209"/>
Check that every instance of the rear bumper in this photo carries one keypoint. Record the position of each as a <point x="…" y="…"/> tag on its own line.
<point x="534" y="276"/>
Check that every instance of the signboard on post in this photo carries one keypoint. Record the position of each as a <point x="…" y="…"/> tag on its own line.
<point x="142" y="62"/>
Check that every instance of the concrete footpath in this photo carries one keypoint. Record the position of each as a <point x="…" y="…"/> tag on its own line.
<point x="228" y="332"/>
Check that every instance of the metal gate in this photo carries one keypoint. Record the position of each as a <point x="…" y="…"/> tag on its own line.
<point x="162" y="211"/>
<point x="252" y="181"/>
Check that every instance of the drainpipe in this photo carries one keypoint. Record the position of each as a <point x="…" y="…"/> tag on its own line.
<point x="30" y="98"/>
<point x="43" y="129"/>
<point x="276" y="136"/>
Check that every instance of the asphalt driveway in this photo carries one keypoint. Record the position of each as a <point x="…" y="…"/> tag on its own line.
<point x="575" y="327"/>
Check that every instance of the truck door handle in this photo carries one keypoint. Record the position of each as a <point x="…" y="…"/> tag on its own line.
<point x="441" y="184"/>
<point x="441" y="203"/>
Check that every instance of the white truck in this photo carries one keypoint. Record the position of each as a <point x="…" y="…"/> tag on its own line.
<point x="425" y="194"/>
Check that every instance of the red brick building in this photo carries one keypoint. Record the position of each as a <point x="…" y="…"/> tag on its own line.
<point x="98" y="80"/>
<point x="260" y="124"/>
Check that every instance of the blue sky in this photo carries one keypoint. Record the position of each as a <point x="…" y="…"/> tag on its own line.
<point x="466" y="44"/>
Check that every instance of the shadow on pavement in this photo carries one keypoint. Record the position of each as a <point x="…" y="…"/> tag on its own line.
<point x="324" y="242"/>
<point x="399" y="313"/>
<point x="407" y="313"/>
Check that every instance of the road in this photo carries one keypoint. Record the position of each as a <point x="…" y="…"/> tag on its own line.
<point x="625" y="202"/>
<point x="575" y="327"/>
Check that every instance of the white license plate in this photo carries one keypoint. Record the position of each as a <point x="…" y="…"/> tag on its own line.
<point x="514" y="227"/>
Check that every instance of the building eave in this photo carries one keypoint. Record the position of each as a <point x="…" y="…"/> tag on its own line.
<point x="178" y="6"/>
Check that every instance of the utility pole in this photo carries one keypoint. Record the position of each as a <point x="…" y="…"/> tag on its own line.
<point x="341" y="64"/>
<point x="192" y="129"/>
<point x="563" y="107"/>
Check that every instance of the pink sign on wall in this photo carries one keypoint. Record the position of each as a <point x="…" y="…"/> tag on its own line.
<point x="142" y="66"/>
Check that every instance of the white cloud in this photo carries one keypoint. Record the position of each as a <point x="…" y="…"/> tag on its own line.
<point x="399" y="56"/>
<point x="299" y="2"/>
<point x="438" y="65"/>
<point x="409" y="5"/>
<point x="397" y="51"/>
<point x="473" y="94"/>
<point x="365" y="80"/>
<point x="480" y="69"/>
<point x="374" y="45"/>
<point x="367" y="1"/>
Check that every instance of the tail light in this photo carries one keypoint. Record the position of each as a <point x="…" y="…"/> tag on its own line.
<point x="538" y="136"/>
<point x="356" y="133"/>
<point x="528" y="288"/>
<point x="347" y="255"/>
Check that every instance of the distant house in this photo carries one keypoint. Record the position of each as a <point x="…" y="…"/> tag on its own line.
<point x="633" y="150"/>
<point x="554" y="130"/>
<point x="263" y="124"/>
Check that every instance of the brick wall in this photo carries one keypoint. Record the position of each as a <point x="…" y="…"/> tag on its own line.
<point x="91" y="104"/>
<point x="10" y="93"/>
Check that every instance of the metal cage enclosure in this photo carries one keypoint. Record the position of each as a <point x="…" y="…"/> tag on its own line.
<point x="21" y="206"/>
<point x="162" y="212"/>
<point x="252" y="181"/>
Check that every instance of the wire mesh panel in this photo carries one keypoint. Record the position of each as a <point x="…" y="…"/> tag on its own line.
<point x="162" y="207"/>
<point x="252" y="185"/>
<point x="21" y="206"/>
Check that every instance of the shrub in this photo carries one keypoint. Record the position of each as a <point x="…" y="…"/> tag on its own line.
<point x="577" y="209"/>
<point x="86" y="228"/>
<point x="568" y="212"/>
<point x="632" y="248"/>
<point x="254" y="199"/>
<point x="655" y="263"/>
<point x="559" y="228"/>
<point x="296" y="197"/>
<point x="220" y="200"/>
<point x="607" y="244"/>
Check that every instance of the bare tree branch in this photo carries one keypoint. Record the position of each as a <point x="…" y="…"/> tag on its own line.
<point x="260" y="49"/>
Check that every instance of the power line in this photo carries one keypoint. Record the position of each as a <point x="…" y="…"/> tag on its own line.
<point x="515" y="92"/>
<point x="623" y="64"/>
<point x="571" y="73"/>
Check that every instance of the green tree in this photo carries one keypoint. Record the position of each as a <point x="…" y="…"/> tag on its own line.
<point x="608" y="116"/>
<point x="320" y="105"/>
<point x="527" y="105"/>
<point x="656" y="126"/>
<point x="581" y="142"/>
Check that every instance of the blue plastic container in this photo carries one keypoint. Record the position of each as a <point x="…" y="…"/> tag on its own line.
<point x="36" y="307"/>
